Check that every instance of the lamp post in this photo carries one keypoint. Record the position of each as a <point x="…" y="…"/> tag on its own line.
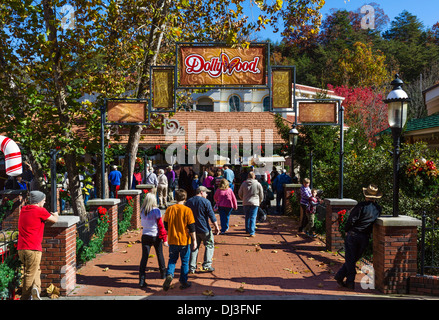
<point x="293" y="134"/>
<point x="397" y="104"/>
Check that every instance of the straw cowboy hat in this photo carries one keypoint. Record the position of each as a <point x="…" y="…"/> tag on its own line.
<point x="372" y="192"/>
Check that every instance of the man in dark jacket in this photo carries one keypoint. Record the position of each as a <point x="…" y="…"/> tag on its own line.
<point x="358" y="230"/>
<point x="203" y="212"/>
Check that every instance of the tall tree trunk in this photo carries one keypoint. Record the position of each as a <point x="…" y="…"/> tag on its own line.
<point x="154" y="42"/>
<point x="61" y="104"/>
<point x="75" y="187"/>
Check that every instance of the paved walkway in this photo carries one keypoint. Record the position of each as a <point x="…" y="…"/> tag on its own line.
<point x="278" y="263"/>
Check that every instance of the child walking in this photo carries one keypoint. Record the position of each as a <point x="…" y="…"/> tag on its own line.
<point x="311" y="213"/>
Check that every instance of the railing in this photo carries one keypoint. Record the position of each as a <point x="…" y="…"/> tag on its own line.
<point x="85" y="230"/>
<point x="7" y="238"/>
<point x="121" y="207"/>
<point x="429" y="245"/>
<point x="9" y="263"/>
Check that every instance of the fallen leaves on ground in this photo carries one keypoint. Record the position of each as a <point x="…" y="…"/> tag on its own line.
<point x="208" y="293"/>
<point x="240" y="289"/>
<point x="53" y="292"/>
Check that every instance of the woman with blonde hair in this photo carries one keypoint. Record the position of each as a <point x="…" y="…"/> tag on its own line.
<point x="153" y="234"/>
<point x="226" y="201"/>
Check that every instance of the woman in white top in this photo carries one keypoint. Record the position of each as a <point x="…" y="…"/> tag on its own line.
<point x="153" y="234"/>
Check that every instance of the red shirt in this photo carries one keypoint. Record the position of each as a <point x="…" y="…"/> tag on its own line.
<point x="31" y="227"/>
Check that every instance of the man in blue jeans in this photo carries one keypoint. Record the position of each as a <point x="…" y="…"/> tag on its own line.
<point x="114" y="180"/>
<point x="251" y="193"/>
<point x="229" y="175"/>
<point x="203" y="212"/>
<point x="180" y="224"/>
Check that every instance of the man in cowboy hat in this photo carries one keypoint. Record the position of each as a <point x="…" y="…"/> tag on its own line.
<point x="358" y="230"/>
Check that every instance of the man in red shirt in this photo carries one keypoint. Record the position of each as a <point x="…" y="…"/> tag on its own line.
<point x="30" y="236"/>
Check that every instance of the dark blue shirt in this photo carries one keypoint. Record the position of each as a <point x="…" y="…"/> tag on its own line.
<point x="202" y="210"/>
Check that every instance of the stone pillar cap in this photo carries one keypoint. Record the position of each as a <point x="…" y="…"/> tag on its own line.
<point x="65" y="221"/>
<point x="145" y="186"/>
<point x="341" y="202"/>
<point x="129" y="192"/>
<point x="292" y="185"/>
<point x="400" y="221"/>
<point x="103" y="202"/>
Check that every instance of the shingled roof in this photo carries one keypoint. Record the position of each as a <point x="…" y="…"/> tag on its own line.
<point x="419" y="124"/>
<point x="423" y="123"/>
<point x="245" y="124"/>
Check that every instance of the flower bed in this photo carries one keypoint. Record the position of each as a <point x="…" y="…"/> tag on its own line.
<point x="88" y="252"/>
<point x="10" y="267"/>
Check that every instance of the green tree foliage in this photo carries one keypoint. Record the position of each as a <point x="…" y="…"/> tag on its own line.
<point x="408" y="47"/>
<point x="51" y="58"/>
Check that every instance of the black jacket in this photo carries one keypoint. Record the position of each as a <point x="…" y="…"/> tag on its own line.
<point x="363" y="216"/>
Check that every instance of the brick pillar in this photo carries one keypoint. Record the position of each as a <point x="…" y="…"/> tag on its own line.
<point x="135" y="219"/>
<point x="148" y="187"/>
<point x="58" y="262"/>
<point x="19" y="197"/>
<point x="395" y="253"/>
<point x="287" y="195"/>
<point x="334" y="240"/>
<point x="111" y="239"/>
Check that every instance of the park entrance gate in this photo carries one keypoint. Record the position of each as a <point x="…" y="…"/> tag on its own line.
<point x="220" y="66"/>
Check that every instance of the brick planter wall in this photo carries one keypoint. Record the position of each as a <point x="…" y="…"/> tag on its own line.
<point x="111" y="239"/>
<point x="395" y="253"/>
<point x="424" y="285"/>
<point x="135" y="219"/>
<point x="334" y="240"/>
<point x="19" y="198"/>
<point x="148" y="187"/>
<point x="58" y="262"/>
<point x="287" y="195"/>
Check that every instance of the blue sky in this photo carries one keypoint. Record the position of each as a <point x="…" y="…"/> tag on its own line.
<point x="427" y="11"/>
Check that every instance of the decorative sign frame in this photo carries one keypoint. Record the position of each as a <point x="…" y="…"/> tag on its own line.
<point x="162" y="97"/>
<point x="221" y="66"/>
<point x="312" y="112"/>
<point x="126" y="112"/>
<point x="283" y="83"/>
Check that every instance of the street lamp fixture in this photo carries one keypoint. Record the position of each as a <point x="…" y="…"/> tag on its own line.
<point x="293" y="134"/>
<point x="397" y="104"/>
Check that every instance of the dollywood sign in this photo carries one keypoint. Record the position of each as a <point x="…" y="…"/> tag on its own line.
<point x="222" y="66"/>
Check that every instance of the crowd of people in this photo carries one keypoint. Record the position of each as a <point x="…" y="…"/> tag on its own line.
<point x="188" y="223"/>
<point x="192" y="220"/>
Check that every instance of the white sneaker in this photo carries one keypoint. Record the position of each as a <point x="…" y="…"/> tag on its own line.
<point x="35" y="294"/>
